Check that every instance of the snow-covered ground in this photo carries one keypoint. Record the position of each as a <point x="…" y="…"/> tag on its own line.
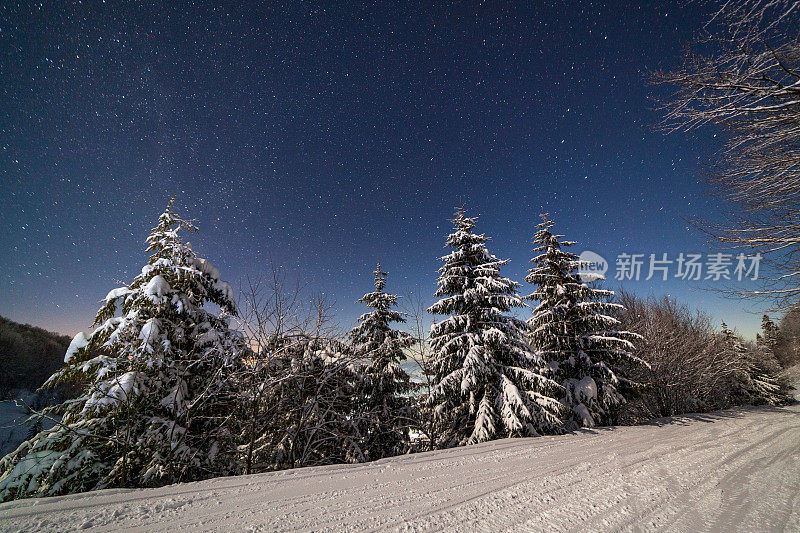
<point x="726" y="471"/>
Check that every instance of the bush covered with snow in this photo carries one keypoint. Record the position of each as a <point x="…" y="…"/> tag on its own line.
<point x="693" y="367"/>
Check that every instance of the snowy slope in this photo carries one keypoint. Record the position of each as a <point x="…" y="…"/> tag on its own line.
<point x="733" y="470"/>
<point x="14" y="426"/>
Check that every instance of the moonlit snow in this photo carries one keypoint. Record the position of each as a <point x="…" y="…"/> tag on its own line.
<point x="735" y="470"/>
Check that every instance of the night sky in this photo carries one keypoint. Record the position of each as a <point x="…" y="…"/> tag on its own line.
<point x="326" y="137"/>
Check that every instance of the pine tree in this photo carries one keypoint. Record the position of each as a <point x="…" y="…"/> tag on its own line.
<point x="574" y="329"/>
<point x="386" y="408"/>
<point x="489" y="383"/>
<point x="772" y="387"/>
<point x="740" y="384"/>
<point x="156" y="401"/>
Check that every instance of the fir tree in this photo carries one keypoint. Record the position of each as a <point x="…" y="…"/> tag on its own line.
<point x="736" y="354"/>
<point x="156" y="397"/>
<point x="758" y="381"/>
<point x="488" y="382"/>
<point x="572" y="327"/>
<point x="769" y="333"/>
<point x="386" y="409"/>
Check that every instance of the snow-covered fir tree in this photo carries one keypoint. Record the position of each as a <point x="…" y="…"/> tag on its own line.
<point x="757" y="382"/>
<point x="384" y="388"/>
<point x="768" y="337"/>
<point x="489" y="383"/>
<point x="574" y="329"/>
<point x="156" y="400"/>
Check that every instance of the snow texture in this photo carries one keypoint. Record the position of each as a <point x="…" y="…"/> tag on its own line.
<point x="117" y="293"/>
<point x="78" y="342"/>
<point x="735" y="470"/>
<point x="121" y="389"/>
<point x="157" y="287"/>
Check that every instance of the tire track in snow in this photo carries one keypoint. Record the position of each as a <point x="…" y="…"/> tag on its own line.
<point x="727" y="470"/>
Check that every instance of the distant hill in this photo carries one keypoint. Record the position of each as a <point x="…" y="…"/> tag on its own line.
<point x="28" y="356"/>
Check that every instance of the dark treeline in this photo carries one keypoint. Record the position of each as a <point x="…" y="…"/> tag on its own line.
<point x="28" y="356"/>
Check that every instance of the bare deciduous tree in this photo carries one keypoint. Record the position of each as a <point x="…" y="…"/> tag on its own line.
<point x="420" y="353"/>
<point x="744" y="76"/>
<point x="296" y="406"/>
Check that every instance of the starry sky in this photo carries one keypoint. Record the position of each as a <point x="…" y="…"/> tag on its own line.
<point x="325" y="137"/>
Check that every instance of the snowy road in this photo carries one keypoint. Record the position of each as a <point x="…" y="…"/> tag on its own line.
<point x="734" y="470"/>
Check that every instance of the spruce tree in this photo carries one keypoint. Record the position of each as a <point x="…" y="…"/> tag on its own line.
<point x="386" y="410"/>
<point x="488" y="382"/>
<point x="739" y="381"/>
<point x="156" y="399"/>
<point x="574" y="329"/>
<point x="768" y="368"/>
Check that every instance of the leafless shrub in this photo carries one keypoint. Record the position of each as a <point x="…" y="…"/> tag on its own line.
<point x="691" y="368"/>
<point x="297" y="383"/>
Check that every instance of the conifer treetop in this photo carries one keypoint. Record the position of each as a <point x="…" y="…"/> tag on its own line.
<point x="469" y="271"/>
<point x="374" y="332"/>
<point x="380" y="278"/>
